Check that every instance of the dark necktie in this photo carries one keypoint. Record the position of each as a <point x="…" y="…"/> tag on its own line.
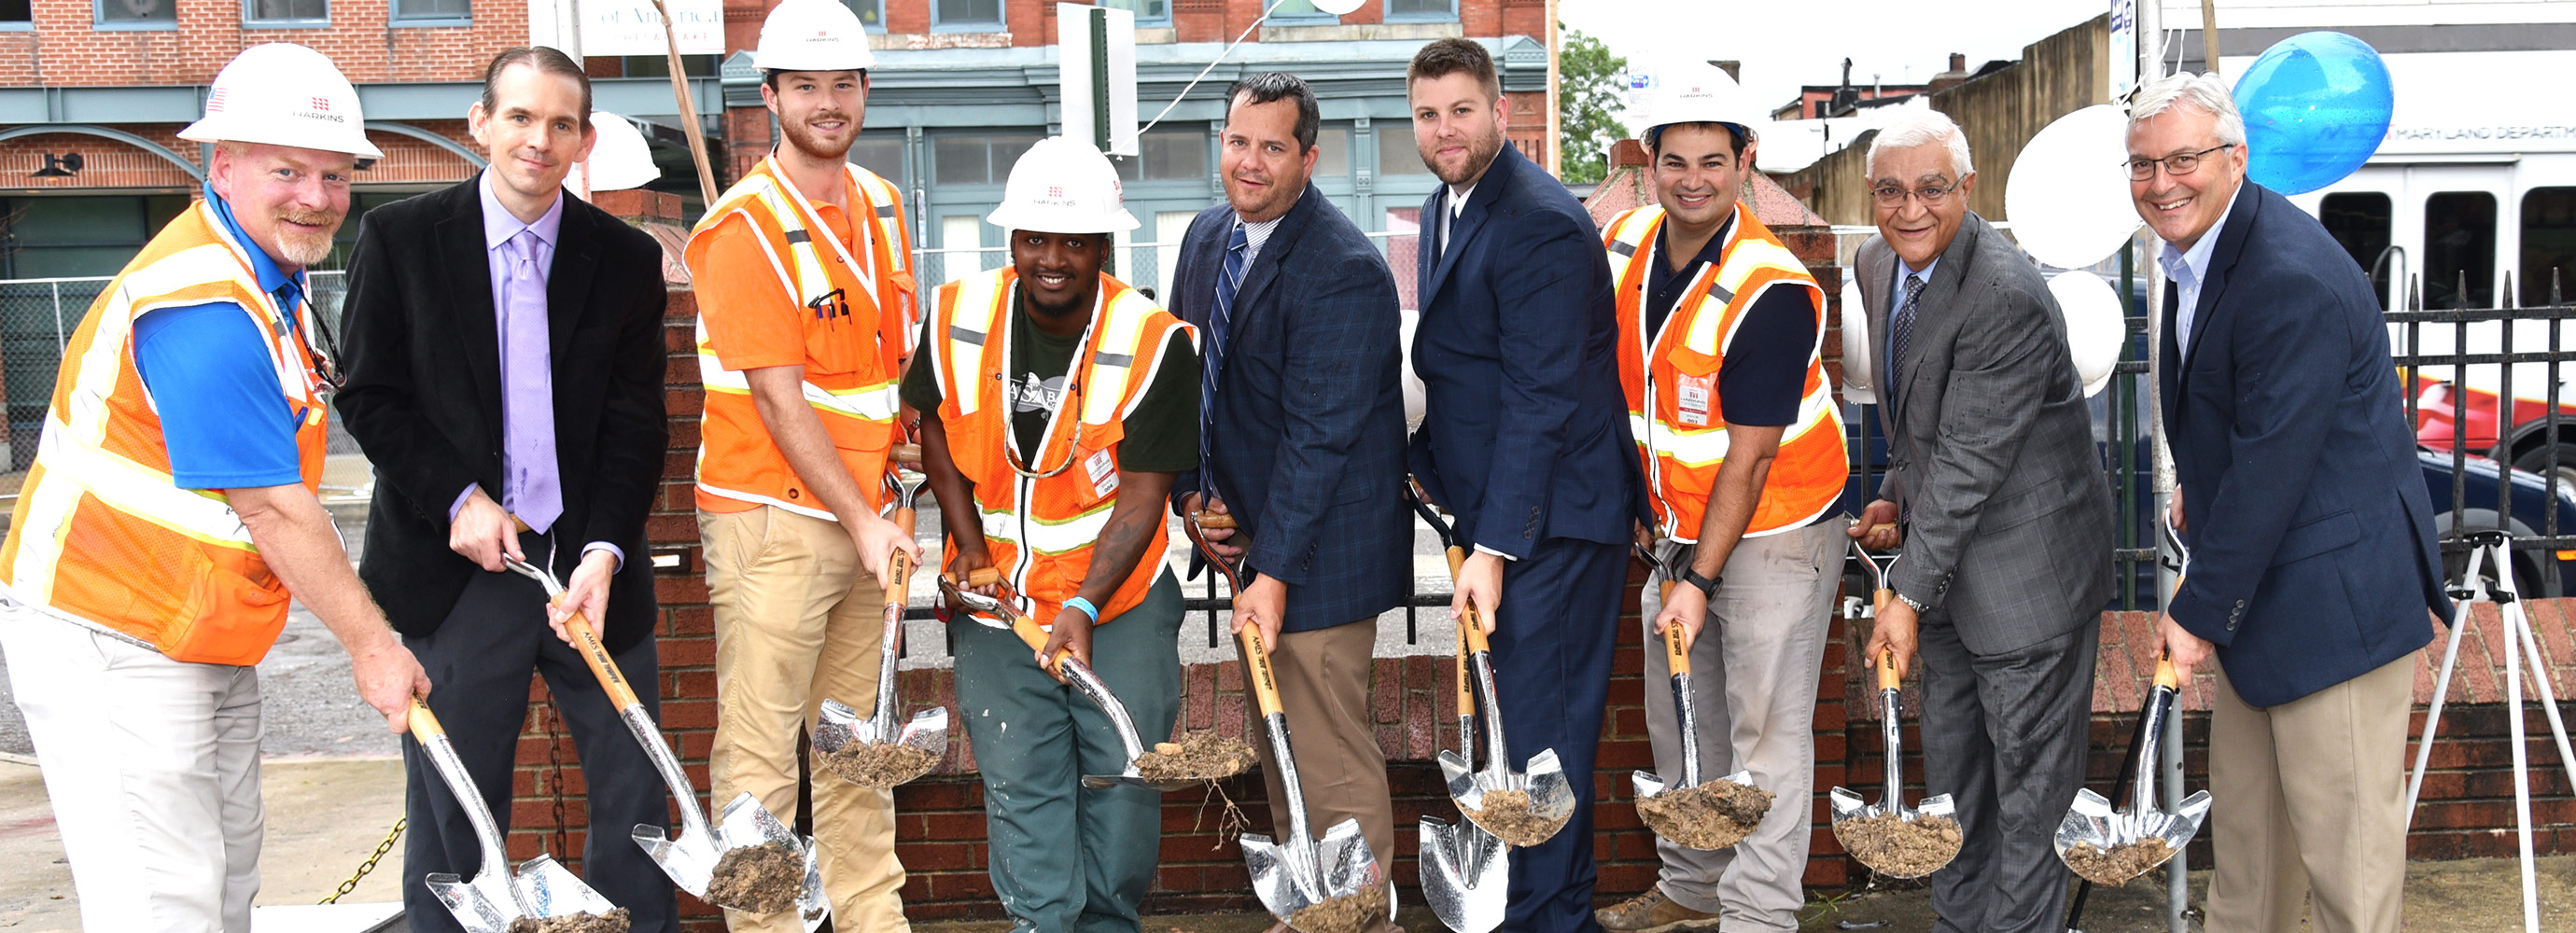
<point x="1900" y="333"/>
<point x="1220" y="318"/>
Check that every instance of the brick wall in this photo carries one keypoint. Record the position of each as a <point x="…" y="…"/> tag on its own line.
<point x="65" y="51"/>
<point x="113" y="164"/>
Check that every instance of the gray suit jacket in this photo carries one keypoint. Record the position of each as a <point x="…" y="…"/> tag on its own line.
<point x="1991" y="456"/>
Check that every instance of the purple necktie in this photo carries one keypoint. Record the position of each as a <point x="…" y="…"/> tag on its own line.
<point x="531" y="488"/>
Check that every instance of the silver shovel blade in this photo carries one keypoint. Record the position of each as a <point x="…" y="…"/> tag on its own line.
<point x="1939" y="805"/>
<point x="482" y="905"/>
<point x="1466" y="875"/>
<point x="554" y="891"/>
<point x="1283" y="886"/>
<point x="689" y="860"/>
<point x="744" y="822"/>
<point x="1348" y="865"/>
<point x="1847" y="805"/>
<point x="1460" y="776"/>
<point x="1551" y="796"/>
<point x="838" y="726"/>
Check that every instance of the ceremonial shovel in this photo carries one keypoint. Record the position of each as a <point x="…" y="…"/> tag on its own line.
<point x="989" y="610"/>
<point x="1685" y="711"/>
<point x="840" y="725"/>
<point x="1848" y="805"/>
<point x="690" y="860"/>
<point x="1301" y="872"/>
<point x="488" y="903"/>
<point x="2092" y="821"/>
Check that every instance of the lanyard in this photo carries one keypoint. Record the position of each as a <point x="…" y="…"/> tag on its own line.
<point x="1075" y="369"/>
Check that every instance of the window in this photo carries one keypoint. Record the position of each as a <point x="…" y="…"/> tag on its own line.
<point x="420" y="11"/>
<point x="2360" y="221"/>
<point x="287" y="11"/>
<point x="1167" y="156"/>
<point x="1332" y="153"/>
<point x="977" y="160"/>
<point x="2548" y="245"/>
<point x="1396" y="154"/>
<point x="2459" y="244"/>
<point x="964" y="15"/>
<point x="871" y="13"/>
<point x="959" y="235"/>
<point x="1297" y="11"/>
<point x="1421" y="10"/>
<point x="138" y="14"/>
<point x="880" y="153"/>
<point x="1158" y="12"/>
<point x="17" y="14"/>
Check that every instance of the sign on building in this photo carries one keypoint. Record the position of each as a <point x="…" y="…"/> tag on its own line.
<point x="631" y="27"/>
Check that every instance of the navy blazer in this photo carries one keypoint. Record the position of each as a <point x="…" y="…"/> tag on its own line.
<point x="1525" y="433"/>
<point x="2312" y="549"/>
<point x="1307" y="444"/>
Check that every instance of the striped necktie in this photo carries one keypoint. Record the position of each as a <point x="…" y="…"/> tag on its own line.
<point x="1220" y="320"/>
<point x="1900" y="333"/>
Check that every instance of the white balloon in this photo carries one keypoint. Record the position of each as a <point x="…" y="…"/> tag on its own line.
<point x="2095" y="325"/>
<point x="1859" y="380"/>
<point x="1337" y="7"/>
<point x="1413" y="390"/>
<point x="2068" y="195"/>
<point x="621" y="158"/>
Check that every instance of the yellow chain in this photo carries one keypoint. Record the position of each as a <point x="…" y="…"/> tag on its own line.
<point x="370" y="864"/>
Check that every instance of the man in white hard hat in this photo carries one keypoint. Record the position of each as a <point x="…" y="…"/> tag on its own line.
<point x="1057" y="405"/>
<point x="171" y="513"/>
<point x="505" y="362"/>
<point x="1720" y="332"/>
<point x="805" y="304"/>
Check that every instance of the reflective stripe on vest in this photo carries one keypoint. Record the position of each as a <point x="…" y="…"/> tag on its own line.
<point x="1682" y="446"/>
<point x="1040" y="531"/>
<point x="102" y="532"/>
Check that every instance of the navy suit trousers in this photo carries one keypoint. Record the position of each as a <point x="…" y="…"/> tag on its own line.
<point x="1552" y="643"/>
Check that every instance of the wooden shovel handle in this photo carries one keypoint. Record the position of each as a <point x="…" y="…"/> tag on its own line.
<point x="2165" y="673"/>
<point x="904" y="453"/>
<point x="1676" y="651"/>
<point x="620" y="693"/>
<point x="1257" y="669"/>
<point x="424" y="724"/>
<point x="1213" y="520"/>
<point x="983" y="576"/>
<point x="899" y="564"/>
<point x="1467" y="627"/>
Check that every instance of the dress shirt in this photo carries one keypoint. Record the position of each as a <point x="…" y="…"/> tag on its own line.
<point x="1256" y="233"/>
<point x="2187" y="268"/>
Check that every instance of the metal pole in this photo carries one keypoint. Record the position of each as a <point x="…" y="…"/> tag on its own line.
<point x="2177" y="871"/>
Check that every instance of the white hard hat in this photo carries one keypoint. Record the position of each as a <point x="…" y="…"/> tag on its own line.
<point x="283" y="94"/>
<point x="1696" y="92"/>
<point x="620" y="158"/>
<point x="1063" y="186"/>
<point x="812" y="35"/>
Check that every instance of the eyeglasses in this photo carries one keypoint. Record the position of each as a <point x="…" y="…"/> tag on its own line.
<point x="2180" y="163"/>
<point x="1930" y="195"/>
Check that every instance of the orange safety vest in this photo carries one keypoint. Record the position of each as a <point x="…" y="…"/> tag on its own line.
<point x="1040" y="529"/>
<point x="859" y="321"/>
<point x="102" y="531"/>
<point x="1670" y="378"/>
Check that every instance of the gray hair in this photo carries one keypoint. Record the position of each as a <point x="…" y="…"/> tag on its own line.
<point x="2204" y="93"/>
<point x="1921" y="126"/>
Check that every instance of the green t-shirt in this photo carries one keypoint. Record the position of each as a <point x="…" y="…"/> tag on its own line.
<point x="1162" y="434"/>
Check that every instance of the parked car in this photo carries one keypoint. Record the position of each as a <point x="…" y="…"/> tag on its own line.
<point x="2448" y="413"/>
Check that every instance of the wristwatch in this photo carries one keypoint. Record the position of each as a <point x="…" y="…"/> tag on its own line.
<point x="1917" y="605"/>
<point x="1707" y="585"/>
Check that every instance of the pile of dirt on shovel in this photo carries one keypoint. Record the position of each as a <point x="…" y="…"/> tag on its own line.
<point x="1198" y="756"/>
<point x="1508" y="816"/>
<point x="2121" y="863"/>
<point x="1714" y="815"/>
<point x="760" y="879"/>
<point x="879" y="765"/>
<point x="1346" y="914"/>
<point x="613" y="921"/>
<point x="1900" y="848"/>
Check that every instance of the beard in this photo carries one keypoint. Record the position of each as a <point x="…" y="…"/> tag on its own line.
<point x="1481" y="150"/>
<point x="813" y="143"/>
<point x="305" y="249"/>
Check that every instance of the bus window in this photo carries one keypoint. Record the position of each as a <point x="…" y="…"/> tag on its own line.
<point x="2548" y="244"/>
<point x="2360" y="220"/>
<point x="2459" y="240"/>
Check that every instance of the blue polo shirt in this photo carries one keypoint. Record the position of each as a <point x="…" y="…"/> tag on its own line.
<point x="207" y="369"/>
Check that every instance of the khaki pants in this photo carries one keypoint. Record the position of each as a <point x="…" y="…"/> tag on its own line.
<point x="797" y="621"/>
<point x="1323" y="679"/>
<point x="2309" y="798"/>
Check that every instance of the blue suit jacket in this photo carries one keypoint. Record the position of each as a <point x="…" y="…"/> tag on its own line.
<point x="1525" y="432"/>
<point x="1307" y="444"/>
<point x="2312" y="548"/>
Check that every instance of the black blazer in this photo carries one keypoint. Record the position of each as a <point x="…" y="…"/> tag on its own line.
<point x="1307" y="445"/>
<point x="424" y="396"/>
<point x="1525" y="431"/>
<point x="2312" y="548"/>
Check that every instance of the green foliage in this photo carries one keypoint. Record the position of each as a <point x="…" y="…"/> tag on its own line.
<point x="1589" y="93"/>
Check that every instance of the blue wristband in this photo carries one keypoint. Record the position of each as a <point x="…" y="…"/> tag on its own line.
<point x="1086" y="607"/>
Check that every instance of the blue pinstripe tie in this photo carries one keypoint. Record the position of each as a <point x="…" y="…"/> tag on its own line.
<point x="1220" y="318"/>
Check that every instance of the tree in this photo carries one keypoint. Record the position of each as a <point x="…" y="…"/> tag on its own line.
<point x="1590" y="84"/>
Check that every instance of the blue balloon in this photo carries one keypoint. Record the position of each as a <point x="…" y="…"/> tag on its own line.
<point x="2316" y="106"/>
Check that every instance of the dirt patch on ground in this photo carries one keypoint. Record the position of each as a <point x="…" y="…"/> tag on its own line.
<point x="1341" y="914"/>
<point x="2115" y="866"/>
<point x="1507" y="815"/>
<point x="759" y="879"/>
<point x="879" y="765"/>
<point x="613" y="921"/>
<point x="1198" y="756"/>
<point x="1900" y="848"/>
<point x="1714" y="815"/>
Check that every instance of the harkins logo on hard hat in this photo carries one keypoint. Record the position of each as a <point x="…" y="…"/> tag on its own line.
<point x="322" y="104"/>
<point x="1055" y="191"/>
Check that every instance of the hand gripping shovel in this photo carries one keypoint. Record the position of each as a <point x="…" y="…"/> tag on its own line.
<point x="1551" y="799"/>
<point x="927" y="731"/>
<point x="1301" y="872"/>
<point x="690" y="860"/>
<point x="490" y="901"/>
<point x="1685" y="711"/>
<point x="1847" y="806"/>
<point x="1466" y="872"/>
<point x="2103" y="844"/>
<point x="989" y="611"/>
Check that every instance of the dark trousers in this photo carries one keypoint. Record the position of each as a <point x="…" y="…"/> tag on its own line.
<point x="478" y="662"/>
<point x="1552" y="641"/>
<point x="2004" y="735"/>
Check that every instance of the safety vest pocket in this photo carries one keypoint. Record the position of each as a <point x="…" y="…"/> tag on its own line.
<point x="838" y="337"/>
<point x="227" y="619"/>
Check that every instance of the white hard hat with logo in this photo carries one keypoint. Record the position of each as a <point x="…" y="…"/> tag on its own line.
<point x="1063" y="186"/>
<point x="813" y="35"/>
<point x="1696" y="92"/>
<point x="621" y="158"/>
<point x="283" y="94"/>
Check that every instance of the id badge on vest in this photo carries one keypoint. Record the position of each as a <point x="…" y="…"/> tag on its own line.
<point x="1693" y="394"/>
<point x="1104" y="473"/>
